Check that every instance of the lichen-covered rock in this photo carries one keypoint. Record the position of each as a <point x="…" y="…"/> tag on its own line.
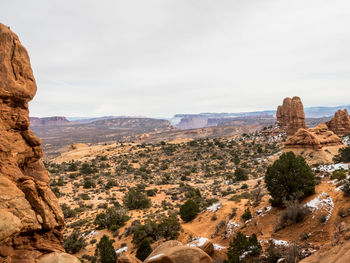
<point x="290" y="115"/>
<point x="315" y="138"/>
<point x="340" y="123"/>
<point x="30" y="215"/>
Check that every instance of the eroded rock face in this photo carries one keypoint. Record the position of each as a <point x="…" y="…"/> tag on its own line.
<point x="315" y="138"/>
<point x="30" y="216"/>
<point x="291" y="115"/>
<point x="340" y="123"/>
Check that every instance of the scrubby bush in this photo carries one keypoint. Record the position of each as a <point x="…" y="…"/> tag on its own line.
<point x="113" y="219"/>
<point x="105" y="251"/>
<point x="189" y="210"/>
<point x="343" y="156"/>
<point x="144" y="250"/>
<point x="170" y="227"/>
<point x="338" y="174"/>
<point x="135" y="199"/>
<point x="67" y="211"/>
<point x="240" y="174"/>
<point x="294" y="213"/>
<point x="243" y="245"/>
<point x="288" y="176"/>
<point x="247" y="215"/>
<point x="346" y="187"/>
<point x="74" y="243"/>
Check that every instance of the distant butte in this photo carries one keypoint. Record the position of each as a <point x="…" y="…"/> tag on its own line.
<point x="290" y="115"/>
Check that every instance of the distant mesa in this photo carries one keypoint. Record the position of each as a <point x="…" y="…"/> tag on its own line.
<point x="290" y="115"/>
<point x="340" y="123"/>
<point x="55" y="120"/>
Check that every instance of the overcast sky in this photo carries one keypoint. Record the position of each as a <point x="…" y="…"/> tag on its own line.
<point x="162" y="57"/>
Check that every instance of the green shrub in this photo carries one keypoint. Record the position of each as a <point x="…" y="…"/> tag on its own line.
<point x="74" y="243"/>
<point x="113" y="219"/>
<point x="243" y="245"/>
<point x="338" y="174"/>
<point x="67" y="211"/>
<point x="240" y="174"/>
<point x="135" y="199"/>
<point x="170" y="227"/>
<point x="246" y="215"/>
<point x="105" y="251"/>
<point x="89" y="183"/>
<point x="144" y="250"/>
<point x="343" y="156"/>
<point x="189" y="210"/>
<point x="288" y="176"/>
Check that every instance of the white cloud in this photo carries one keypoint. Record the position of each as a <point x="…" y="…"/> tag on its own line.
<point x="161" y="57"/>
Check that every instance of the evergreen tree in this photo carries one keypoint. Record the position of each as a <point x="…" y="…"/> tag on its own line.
<point x="105" y="251"/>
<point x="144" y="250"/>
<point x="288" y="177"/>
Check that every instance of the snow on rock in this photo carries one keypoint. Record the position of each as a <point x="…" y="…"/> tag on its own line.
<point x="231" y="226"/>
<point x="263" y="211"/>
<point x="218" y="247"/>
<point x="156" y="256"/>
<point x="214" y="207"/>
<point x="281" y="243"/>
<point x="346" y="140"/>
<point x="322" y="201"/>
<point x="330" y="168"/>
<point x="121" y="250"/>
<point x="198" y="242"/>
<point x="91" y="234"/>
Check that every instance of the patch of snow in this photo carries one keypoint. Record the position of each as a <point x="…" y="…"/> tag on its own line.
<point x="230" y="228"/>
<point x="263" y="211"/>
<point x="156" y="256"/>
<point x="214" y="207"/>
<point x="121" y="250"/>
<point x="346" y="140"/>
<point x="323" y="201"/>
<point x="92" y="233"/>
<point x="218" y="247"/>
<point x="198" y="242"/>
<point x="282" y="243"/>
<point x="330" y="168"/>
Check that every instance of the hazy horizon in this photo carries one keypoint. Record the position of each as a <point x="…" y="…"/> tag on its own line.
<point x="158" y="58"/>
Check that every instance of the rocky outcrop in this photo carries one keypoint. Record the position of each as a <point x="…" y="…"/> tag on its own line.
<point x="175" y="252"/>
<point x="314" y="138"/>
<point x="30" y="216"/>
<point x="53" y="121"/>
<point x="290" y="115"/>
<point x="336" y="254"/>
<point x="340" y="123"/>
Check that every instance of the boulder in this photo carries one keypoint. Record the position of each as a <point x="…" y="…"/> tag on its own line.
<point x="290" y="115"/>
<point x="336" y="254"/>
<point x="128" y="259"/>
<point x="340" y="123"/>
<point x="175" y="252"/>
<point x="57" y="258"/>
<point x="204" y="244"/>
